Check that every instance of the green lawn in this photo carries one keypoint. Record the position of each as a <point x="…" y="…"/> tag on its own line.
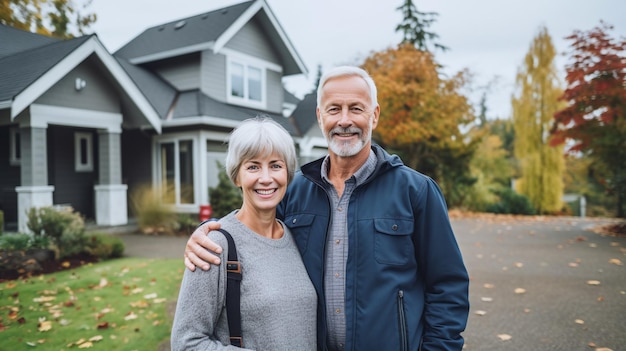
<point x="114" y="305"/>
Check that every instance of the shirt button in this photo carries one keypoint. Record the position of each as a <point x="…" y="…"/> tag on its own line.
<point x="337" y="241"/>
<point x="337" y="275"/>
<point x="337" y="311"/>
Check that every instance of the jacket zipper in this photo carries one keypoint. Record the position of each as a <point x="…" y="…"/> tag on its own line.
<point x="404" y="342"/>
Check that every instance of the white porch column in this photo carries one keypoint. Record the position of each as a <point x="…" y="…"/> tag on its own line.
<point x="110" y="194"/>
<point x="111" y="204"/>
<point x="31" y="196"/>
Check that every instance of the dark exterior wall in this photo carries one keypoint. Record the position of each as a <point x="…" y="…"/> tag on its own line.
<point x="136" y="161"/>
<point x="9" y="180"/>
<point x="71" y="187"/>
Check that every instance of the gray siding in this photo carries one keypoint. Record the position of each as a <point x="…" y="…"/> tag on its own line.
<point x="251" y="40"/>
<point x="183" y="72"/>
<point x="274" y="92"/>
<point x="99" y="94"/>
<point x="214" y="75"/>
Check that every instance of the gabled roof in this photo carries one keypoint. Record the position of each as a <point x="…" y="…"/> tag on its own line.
<point x="304" y="115"/>
<point x="33" y="65"/>
<point x="16" y="40"/>
<point x="210" y="31"/>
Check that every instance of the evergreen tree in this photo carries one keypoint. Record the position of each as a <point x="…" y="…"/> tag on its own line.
<point x="414" y="27"/>
<point x="225" y="197"/>
<point x="538" y="91"/>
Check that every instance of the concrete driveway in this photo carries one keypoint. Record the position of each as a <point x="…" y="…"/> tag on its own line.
<point x="543" y="284"/>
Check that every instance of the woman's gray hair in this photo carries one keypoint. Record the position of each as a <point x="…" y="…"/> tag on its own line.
<point x="259" y="137"/>
<point x="348" y="71"/>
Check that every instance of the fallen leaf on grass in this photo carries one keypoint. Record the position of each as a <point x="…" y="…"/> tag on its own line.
<point x="130" y="316"/>
<point x="593" y="282"/>
<point x="44" y="326"/>
<point x="504" y="337"/>
<point x="579" y="321"/>
<point x="615" y="261"/>
<point x="480" y="313"/>
<point x="603" y="349"/>
<point x="85" y="345"/>
<point x="520" y="290"/>
<point x="486" y="299"/>
<point x="488" y="286"/>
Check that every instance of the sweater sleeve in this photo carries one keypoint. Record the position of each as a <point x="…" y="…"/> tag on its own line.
<point x="446" y="278"/>
<point x="200" y="304"/>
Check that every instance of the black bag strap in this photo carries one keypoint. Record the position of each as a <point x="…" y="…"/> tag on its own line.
<point x="233" y="292"/>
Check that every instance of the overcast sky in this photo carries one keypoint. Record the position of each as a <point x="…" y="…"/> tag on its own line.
<point x="488" y="37"/>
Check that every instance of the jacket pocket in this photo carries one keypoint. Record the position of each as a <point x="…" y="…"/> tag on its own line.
<point x="300" y="226"/>
<point x="392" y="241"/>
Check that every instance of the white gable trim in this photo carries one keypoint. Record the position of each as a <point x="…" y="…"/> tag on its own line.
<point x="245" y="18"/>
<point x="172" y="53"/>
<point x="76" y="57"/>
<point x="234" y="28"/>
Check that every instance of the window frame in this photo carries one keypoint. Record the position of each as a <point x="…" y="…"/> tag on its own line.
<point x="79" y="166"/>
<point x="247" y="66"/>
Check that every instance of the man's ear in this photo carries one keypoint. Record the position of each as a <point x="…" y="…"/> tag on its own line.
<point x="319" y="118"/>
<point x="375" y="118"/>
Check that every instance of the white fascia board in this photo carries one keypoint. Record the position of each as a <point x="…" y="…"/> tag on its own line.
<point x="215" y="121"/>
<point x="43" y="115"/>
<point x="252" y="60"/>
<point x="172" y="53"/>
<point x="236" y="26"/>
<point x="6" y="104"/>
<point x="284" y="38"/>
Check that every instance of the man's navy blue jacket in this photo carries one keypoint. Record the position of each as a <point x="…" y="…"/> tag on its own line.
<point x="406" y="283"/>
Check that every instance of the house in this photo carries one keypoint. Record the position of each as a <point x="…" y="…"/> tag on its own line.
<point x="82" y="127"/>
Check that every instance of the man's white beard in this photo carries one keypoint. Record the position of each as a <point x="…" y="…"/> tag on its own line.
<point x="348" y="148"/>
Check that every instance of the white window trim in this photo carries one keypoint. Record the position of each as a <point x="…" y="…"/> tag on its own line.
<point x="13" y="147"/>
<point x="245" y="101"/>
<point x="79" y="167"/>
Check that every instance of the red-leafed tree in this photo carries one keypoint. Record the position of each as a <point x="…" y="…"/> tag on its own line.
<point x="594" y="122"/>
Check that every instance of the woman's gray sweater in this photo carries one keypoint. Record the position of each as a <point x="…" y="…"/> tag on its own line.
<point x="278" y="301"/>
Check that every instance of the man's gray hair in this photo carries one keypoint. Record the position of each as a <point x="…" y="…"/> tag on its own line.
<point x="348" y="71"/>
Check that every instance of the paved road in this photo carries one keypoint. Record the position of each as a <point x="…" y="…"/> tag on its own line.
<point x="551" y="259"/>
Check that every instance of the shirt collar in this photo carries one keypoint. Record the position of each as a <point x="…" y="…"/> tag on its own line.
<point x="360" y="175"/>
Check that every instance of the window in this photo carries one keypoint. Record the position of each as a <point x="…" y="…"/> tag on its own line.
<point x="246" y="84"/>
<point x="15" y="147"/>
<point x="176" y="173"/>
<point x="83" y="152"/>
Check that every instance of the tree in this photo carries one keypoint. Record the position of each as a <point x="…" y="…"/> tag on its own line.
<point x="414" y="27"/>
<point x="594" y="120"/>
<point x="538" y="92"/>
<point x="55" y="18"/>
<point x="421" y="115"/>
<point x="225" y="197"/>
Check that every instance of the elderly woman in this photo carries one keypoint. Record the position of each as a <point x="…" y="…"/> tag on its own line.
<point x="278" y="302"/>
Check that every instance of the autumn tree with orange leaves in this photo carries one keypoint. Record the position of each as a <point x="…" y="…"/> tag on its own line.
<point x="421" y="116"/>
<point x="594" y="122"/>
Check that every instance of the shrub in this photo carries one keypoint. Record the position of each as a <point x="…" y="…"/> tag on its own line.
<point x="105" y="246"/>
<point x="64" y="227"/>
<point x="1" y="221"/>
<point x="225" y="197"/>
<point x="151" y="214"/>
<point x="15" y="241"/>
<point x="511" y="203"/>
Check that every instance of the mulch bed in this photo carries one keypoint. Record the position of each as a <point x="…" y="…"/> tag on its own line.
<point x="47" y="267"/>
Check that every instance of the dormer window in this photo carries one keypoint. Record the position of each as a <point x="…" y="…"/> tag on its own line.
<point x="246" y="84"/>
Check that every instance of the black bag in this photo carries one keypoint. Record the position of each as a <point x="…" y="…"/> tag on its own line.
<point x="233" y="291"/>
